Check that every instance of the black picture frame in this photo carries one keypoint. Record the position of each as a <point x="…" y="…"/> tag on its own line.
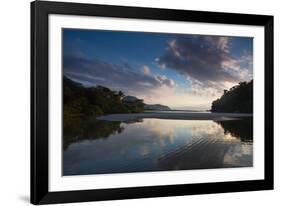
<point x="39" y="102"/>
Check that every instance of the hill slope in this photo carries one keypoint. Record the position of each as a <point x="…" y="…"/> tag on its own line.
<point x="239" y="99"/>
<point x="156" y="107"/>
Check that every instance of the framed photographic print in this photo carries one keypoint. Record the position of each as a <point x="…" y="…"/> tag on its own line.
<point x="133" y="102"/>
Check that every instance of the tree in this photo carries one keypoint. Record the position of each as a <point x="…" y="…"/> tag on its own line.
<point x="96" y="100"/>
<point x="238" y="99"/>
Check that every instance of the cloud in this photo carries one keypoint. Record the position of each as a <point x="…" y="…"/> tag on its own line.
<point x="205" y="61"/>
<point x="163" y="80"/>
<point x="145" y="70"/>
<point x="152" y="88"/>
<point x="91" y="72"/>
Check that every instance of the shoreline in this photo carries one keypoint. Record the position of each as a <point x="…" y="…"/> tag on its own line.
<point x="175" y="116"/>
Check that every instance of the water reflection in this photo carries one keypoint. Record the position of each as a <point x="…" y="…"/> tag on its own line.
<point x="98" y="147"/>
<point x="78" y="129"/>
<point x="243" y="130"/>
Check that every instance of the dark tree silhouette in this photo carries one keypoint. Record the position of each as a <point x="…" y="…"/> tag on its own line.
<point x="95" y="101"/>
<point x="239" y="99"/>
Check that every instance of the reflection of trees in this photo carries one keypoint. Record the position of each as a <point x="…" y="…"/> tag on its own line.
<point x="76" y="129"/>
<point x="242" y="129"/>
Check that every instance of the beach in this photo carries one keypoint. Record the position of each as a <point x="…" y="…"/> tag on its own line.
<point x="151" y="143"/>
<point x="174" y="115"/>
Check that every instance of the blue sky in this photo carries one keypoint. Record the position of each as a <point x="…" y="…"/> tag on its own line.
<point x="179" y="70"/>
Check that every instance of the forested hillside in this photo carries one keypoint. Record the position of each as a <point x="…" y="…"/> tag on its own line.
<point x="95" y="101"/>
<point x="238" y="99"/>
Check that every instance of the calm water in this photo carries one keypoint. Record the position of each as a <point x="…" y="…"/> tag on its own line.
<point x="177" y="111"/>
<point x="99" y="147"/>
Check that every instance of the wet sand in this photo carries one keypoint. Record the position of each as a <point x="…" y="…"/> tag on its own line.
<point x="151" y="144"/>
<point x="208" y="153"/>
<point x="175" y="115"/>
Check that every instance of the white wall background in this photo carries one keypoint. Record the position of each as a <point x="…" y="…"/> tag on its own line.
<point x="14" y="102"/>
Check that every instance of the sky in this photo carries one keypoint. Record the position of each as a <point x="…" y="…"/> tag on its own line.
<point x="182" y="71"/>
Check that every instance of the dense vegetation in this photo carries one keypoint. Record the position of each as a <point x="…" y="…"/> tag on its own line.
<point x="238" y="99"/>
<point x="95" y="101"/>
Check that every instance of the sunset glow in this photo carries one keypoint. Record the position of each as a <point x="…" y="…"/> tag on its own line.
<point x="181" y="71"/>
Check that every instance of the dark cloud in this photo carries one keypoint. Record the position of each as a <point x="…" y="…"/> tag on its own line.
<point x="118" y="77"/>
<point x="205" y="59"/>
